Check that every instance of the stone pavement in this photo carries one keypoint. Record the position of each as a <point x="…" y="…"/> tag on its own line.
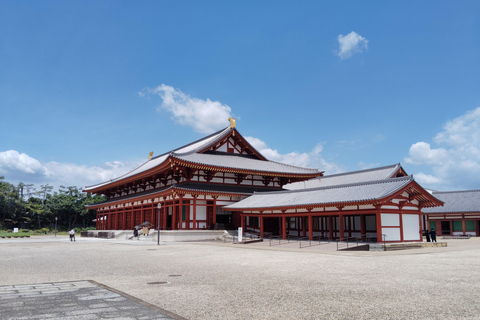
<point x="74" y="300"/>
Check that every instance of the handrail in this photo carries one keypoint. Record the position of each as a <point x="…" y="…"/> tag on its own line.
<point x="363" y="239"/>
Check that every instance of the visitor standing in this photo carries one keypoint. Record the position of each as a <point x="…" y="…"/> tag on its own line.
<point x="433" y="235"/>
<point x="72" y="235"/>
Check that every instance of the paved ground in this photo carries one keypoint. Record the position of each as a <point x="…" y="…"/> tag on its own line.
<point x="73" y="300"/>
<point x="255" y="281"/>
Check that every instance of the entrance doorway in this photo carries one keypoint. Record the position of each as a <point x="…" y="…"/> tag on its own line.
<point x="446" y="227"/>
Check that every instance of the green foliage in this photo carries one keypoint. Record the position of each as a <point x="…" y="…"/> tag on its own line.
<point x="22" y="206"/>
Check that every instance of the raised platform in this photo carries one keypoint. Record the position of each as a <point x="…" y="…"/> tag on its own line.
<point x="404" y="245"/>
<point x="165" y="235"/>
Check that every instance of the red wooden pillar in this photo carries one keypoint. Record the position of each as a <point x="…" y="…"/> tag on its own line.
<point x="195" y="212"/>
<point x="378" y="220"/>
<point x="400" y="218"/>
<point x="242" y="222"/>
<point x="284" y="226"/>
<point x="142" y="213"/>
<point x="214" y="209"/>
<point x="124" y="222"/>
<point x="165" y="214"/>
<point x="174" y="213"/>
<point x="310" y="227"/>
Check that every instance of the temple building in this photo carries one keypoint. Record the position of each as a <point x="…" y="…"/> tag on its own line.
<point x="382" y="204"/>
<point x="223" y="182"/>
<point x="460" y="216"/>
<point x="187" y="188"/>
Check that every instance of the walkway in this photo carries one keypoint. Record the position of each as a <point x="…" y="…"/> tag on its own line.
<point x="74" y="300"/>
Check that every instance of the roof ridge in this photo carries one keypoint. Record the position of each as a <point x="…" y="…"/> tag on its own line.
<point x="362" y="171"/>
<point x="338" y="186"/>
<point x="192" y="143"/>
<point x="456" y="191"/>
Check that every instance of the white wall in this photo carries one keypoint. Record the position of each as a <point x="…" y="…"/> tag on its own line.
<point x="411" y="226"/>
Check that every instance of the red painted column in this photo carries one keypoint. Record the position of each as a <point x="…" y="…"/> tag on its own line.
<point x="174" y="218"/>
<point x="378" y="220"/>
<point x="242" y="223"/>
<point x="214" y="210"/>
<point x="165" y="214"/>
<point x="261" y="227"/>
<point x="194" y="212"/>
<point x="284" y="227"/>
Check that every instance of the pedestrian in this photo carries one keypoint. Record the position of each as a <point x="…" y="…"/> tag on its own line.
<point x="427" y="235"/>
<point x="72" y="235"/>
<point x="135" y="232"/>
<point x="433" y="235"/>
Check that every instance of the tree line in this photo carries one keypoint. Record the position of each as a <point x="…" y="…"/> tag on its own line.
<point x="23" y="206"/>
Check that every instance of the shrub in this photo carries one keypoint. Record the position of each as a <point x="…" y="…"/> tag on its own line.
<point x="24" y="231"/>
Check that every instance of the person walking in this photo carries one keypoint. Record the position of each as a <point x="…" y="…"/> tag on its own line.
<point x="72" y="235"/>
<point x="135" y="232"/>
<point x="433" y="235"/>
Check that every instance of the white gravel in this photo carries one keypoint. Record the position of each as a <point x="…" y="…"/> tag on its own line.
<point x="225" y="281"/>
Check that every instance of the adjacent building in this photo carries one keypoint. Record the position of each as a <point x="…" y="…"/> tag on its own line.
<point x="459" y="216"/>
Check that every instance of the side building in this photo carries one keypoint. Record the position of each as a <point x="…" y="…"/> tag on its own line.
<point x="381" y="204"/>
<point x="187" y="188"/>
<point x="459" y="216"/>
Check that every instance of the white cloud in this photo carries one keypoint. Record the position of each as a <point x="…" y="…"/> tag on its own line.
<point x="350" y="44"/>
<point x="205" y="116"/>
<point x="456" y="161"/>
<point x="19" y="167"/>
<point x="13" y="161"/>
<point x="312" y="159"/>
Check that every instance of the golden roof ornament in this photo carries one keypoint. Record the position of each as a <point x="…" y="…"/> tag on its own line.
<point x="150" y="155"/>
<point x="232" y="122"/>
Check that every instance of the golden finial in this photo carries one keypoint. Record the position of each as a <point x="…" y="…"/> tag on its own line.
<point x="150" y="155"/>
<point x="232" y="122"/>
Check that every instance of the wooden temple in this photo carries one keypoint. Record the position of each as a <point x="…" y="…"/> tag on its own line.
<point x="381" y="204"/>
<point x="223" y="182"/>
<point x="187" y="188"/>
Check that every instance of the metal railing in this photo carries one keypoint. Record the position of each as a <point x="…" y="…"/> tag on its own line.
<point x="304" y="242"/>
<point x="245" y="238"/>
<point x="350" y="242"/>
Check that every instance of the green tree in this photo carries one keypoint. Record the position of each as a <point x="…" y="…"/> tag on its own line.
<point x="11" y="205"/>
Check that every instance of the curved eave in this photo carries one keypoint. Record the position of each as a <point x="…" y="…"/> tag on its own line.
<point x="178" y="190"/>
<point x="312" y="206"/>
<point x="148" y="173"/>
<point x="452" y="213"/>
<point x="200" y="166"/>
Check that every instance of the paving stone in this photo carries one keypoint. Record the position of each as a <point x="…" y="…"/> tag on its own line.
<point x="86" y="301"/>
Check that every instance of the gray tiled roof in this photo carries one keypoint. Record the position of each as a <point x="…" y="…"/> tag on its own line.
<point x="189" y="153"/>
<point x="349" y="193"/>
<point x="456" y="201"/>
<point x="347" y="177"/>
<point x="238" y="162"/>
<point x="190" y="187"/>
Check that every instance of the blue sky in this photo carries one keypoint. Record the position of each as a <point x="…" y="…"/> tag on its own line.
<point x="89" y="88"/>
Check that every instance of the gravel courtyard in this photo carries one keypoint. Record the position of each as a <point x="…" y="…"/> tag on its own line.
<point x="224" y="281"/>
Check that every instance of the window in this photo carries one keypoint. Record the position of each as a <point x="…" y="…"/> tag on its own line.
<point x="470" y="225"/>
<point x="457" y="225"/>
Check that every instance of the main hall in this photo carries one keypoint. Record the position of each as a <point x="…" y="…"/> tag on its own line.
<point x="222" y="182"/>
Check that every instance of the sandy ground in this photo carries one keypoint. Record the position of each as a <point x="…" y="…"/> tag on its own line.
<point x="257" y="281"/>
